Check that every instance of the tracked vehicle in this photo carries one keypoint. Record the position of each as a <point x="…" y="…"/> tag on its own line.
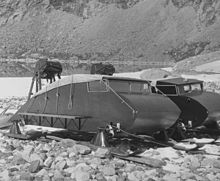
<point x="197" y="105"/>
<point x="87" y="102"/>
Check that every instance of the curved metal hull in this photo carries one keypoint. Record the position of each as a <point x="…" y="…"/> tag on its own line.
<point x="154" y="113"/>
<point x="92" y="109"/>
<point x="198" y="108"/>
<point x="211" y="101"/>
<point x="196" y="105"/>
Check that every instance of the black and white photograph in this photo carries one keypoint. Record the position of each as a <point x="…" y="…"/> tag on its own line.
<point x="109" y="90"/>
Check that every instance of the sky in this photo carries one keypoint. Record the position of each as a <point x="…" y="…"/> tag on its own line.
<point x="19" y="86"/>
<point x="13" y="86"/>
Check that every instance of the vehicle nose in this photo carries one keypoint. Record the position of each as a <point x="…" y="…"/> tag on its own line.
<point x="154" y="113"/>
<point x="211" y="101"/>
<point x="191" y="110"/>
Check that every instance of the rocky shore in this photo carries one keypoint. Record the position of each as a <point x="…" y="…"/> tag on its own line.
<point x="12" y="102"/>
<point x="68" y="160"/>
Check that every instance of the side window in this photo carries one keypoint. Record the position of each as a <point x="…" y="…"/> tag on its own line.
<point x="136" y="88"/>
<point x="140" y="88"/>
<point x="167" y="89"/>
<point x="196" y="87"/>
<point x="120" y="86"/>
<point x="146" y="88"/>
<point x="186" y="88"/>
<point x="96" y="86"/>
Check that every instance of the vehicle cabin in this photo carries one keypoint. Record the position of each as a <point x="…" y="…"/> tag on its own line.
<point x="86" y="102"/>
<point x="178" y="86"/>
<point x="124" y="85"/>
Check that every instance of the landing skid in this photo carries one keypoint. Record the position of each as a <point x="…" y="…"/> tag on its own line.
<point x="53" y="120"/>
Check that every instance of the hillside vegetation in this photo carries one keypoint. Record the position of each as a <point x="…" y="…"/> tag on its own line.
<point x="113" y="30"/>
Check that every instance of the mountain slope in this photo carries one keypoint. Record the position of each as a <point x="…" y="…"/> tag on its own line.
<point x="116" y="30"/>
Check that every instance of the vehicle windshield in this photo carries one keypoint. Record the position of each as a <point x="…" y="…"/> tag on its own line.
<point x="166" y="89"/>
<point x="190" y="88"/>
<point x="129" y="86"/>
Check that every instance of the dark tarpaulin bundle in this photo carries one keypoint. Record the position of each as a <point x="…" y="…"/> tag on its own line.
<point x="48" y="68"/>
<point x="103" y="69"/>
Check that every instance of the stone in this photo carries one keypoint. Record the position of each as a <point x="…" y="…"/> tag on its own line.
<point x="216" y="164"/>
<point x="53" y="165"/>
<point x="10" y="157"/>
<point x="70" y="163"/>
<point x="121" y="178"/>
<point x="46" y="148"/>
<point x="207" y="162"/>
<point x="191" y="162"/>
<point x="187" y="175"/>
<point x="72" y="154"/>
<point x="139" y="168"/>
<point x="218" y="175"/>
<point x="94" y="166"/>
<point x="95" y="161"/>
<point x="119" y="164"/>
<point x="212" y="149"/>
<point x="82" y="167"/>
<point x="53" y="143"/>
<point x="25" y="166"/>
<point x="18" y="160"/>
<point x="114" y="178"/>
<point x="26" y="176"/>
<point x="14" y="168"/>
<point x="58" y="158"/>
<point x="48" y="162"/>
<point x="187" y="162"/>
<point x="27" y="152"/>
<point x="72" y="150"/>
<point x="66" y="175"/>
<point x="211" y="177"/>
<point x="130" y="167"/>
<point x="70" y="170"/>
<point x="172" y="167"/>
<point x="50" y="174"/>
<point x="82" y="176"/>
<point x="64" y="154"/>
<point x="35" y="166"/>
<point x="46" y="178"/>
<point x="100" y="177"/>
<point x="108" y="170"/>
<point x="35" y="156"/>
<point x="166" y="152"/>
<point x="152" y="172"/>
<point x="58" y="175"/>
<point x="139" y="174"/>
<point x="101" y="152"/>
<point x="5" y="175"/>
<point x="198" y="177"/>
<point x="10" y="147"/>
<point x="73" y="175"/>
<point x="43" y="156"/>
<point x="170" y="177"/>
<point x="61" y="165"/>
<point x="2" y="161"/>
<point x="42" y="173"/>
<point x="81" y="149"/>
<point x="68" y="142"/>
<point x="132" y="177"/>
